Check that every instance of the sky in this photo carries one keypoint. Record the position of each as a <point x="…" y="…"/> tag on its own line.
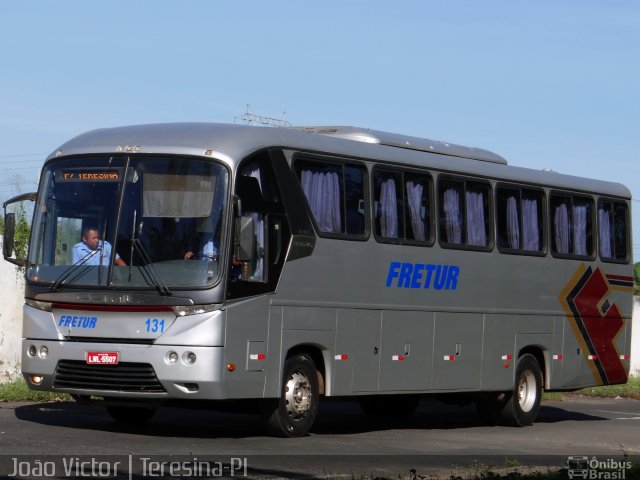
<point x="545" y="84"/>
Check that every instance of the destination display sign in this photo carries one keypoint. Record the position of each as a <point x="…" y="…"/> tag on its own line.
<point x="88" y="175"/>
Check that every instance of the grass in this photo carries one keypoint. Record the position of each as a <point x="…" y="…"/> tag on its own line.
<point x="631" y="389"/>
<point x="17" y="391"/>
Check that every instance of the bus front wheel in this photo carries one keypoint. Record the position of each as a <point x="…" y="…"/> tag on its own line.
<point x="520" y="407"/>
<point x="293" y="413"/>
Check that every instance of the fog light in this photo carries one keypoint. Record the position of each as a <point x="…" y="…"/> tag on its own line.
<point x="36" y="379"/>
<point x="32" y="350"/>
<point x="44" y="351"/>
<point x="190" y="358"/>
<point x="172" y="357"/>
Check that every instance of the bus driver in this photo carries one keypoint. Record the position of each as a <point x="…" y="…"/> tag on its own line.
<point x="93" y="250"/>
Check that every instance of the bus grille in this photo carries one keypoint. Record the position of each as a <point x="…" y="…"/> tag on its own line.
<point x="123" y="377"/>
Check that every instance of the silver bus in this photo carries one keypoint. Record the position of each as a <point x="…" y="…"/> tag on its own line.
<point x="274" y="266"/>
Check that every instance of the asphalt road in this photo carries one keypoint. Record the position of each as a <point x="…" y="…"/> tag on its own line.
<point x="438" y="438"/>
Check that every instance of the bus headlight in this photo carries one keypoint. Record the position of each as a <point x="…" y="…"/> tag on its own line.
<point x="189" y="358"/>
<point x="31" y="351"/>
<point x="44" y="351"/>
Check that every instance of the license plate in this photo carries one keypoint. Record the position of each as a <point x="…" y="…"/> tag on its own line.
<point x="102" y="358"/>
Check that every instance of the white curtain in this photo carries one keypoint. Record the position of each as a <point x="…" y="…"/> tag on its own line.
<point x="323" y="193"/>
<point x="530" y="227"/>
<point x="452" y="216"/>
<point x="605" y="227"/>
<point x="580" y="230"/>
<point x="414" y="196"/>
<point x="258" y="272"/>
<point x="476" y="232"/>
<point x="388" y="209"/>
<point x="513" y="223"/>
<point x="561" y="224"/>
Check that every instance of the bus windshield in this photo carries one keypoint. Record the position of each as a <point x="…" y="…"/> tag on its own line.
<point x="142" y="222"/>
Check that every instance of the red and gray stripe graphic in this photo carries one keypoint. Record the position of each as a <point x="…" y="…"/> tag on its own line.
<point x="598" y="323"/>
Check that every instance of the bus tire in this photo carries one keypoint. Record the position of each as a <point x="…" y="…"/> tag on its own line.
<point x="520" y="407"/>
<point x="293" y="414"/>
<point x="130" y="415"/>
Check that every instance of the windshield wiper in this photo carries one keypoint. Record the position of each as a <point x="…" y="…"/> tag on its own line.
<point x="149" y="268"/>
<point x="73" y="268"/>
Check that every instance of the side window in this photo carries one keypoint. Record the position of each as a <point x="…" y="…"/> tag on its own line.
<point x="571" y="226"/>
<point x="336" y="196"/>
<point x="520" y="220"/>
<point x="612" y="230"/>
<point x="388" y="204"/>
<point x="402" y="205"/>
<point x="464" y="214"/>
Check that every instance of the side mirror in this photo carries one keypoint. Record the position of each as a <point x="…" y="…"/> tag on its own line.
<point x="9" y="233"/>
<point x="245" y="235"/>
<point x="8" y="245"/>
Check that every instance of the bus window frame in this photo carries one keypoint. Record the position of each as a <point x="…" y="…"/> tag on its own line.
<point x="430" y="242"/>
<point x="301" y="157"/>
<point x="594" y="236"/>
<point x="545" y="233"/>
<point x="627" y="223"/>
<point x="444" y="177"/>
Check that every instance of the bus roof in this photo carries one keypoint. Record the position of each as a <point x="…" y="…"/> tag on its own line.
<point x="231" y="143"/>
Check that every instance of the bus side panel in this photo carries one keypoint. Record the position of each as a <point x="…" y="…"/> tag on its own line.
<point x="555" y="371"/>
<point x="498" y="345"/>
<point x="366" y="350"/>
<point x="457" y="351"/>
<point x="406" y="360"/>
<point x="247" y="323"/>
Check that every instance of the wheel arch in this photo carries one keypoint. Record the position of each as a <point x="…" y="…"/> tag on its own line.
<point x="540" y="354"/>
<point x="318" y="354"/>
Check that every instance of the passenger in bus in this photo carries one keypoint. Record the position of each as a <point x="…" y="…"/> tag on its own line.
<point x="93" y="251"/>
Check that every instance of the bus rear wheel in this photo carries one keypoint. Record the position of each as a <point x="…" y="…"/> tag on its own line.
<point x="293" y="413"/>
<point x="520" y="407"/>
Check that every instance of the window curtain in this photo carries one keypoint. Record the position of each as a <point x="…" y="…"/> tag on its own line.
<point x="414" y="197"/>
<point x="513" y="223"/>
<point x="530" y="226"/>
<point x="452" y="216"/>
<point x="476" y="232"/>
<point x="561" y="224"/>
<point x="388" y="209"/>
<point x="605" y="227"/>
<point x="580" y="230"/>
<point x="258" y="272"/>
<point x="323" y="193"/>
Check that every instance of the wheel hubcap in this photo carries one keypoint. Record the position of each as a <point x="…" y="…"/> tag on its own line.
<point x="297" y="395"/>
<point x="527" y="391"/>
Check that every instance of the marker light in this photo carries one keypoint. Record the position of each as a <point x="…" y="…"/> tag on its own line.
<point x="231" y="367"/>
